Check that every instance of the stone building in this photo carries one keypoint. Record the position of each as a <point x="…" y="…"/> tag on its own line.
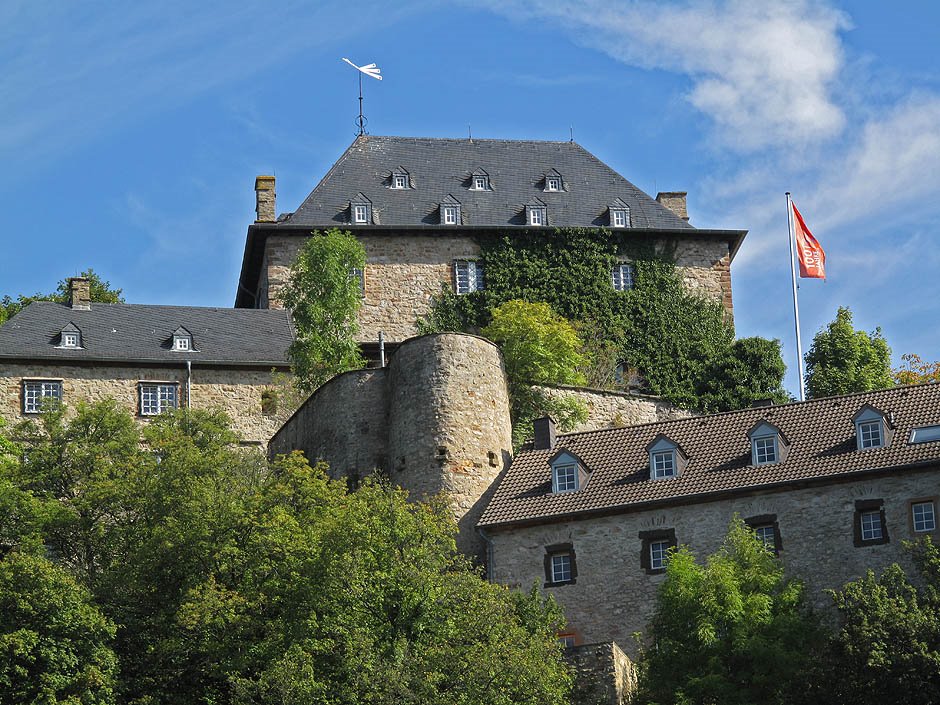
<point x="833" y="485"/>
<point x="148" y="358"/>
<point x="421" y="206"/>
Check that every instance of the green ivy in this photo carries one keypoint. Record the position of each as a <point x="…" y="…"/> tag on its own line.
<point x="682" y="344"/>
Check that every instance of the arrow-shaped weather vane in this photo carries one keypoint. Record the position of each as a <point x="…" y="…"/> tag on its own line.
<point x="369" y="70"/>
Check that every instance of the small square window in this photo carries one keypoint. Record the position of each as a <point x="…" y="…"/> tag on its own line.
<point x="767" y="536"/>
<point x="400" y="181"/>
<point x="480" y="183"/>
<point x="552" y="183"/>
<point x="155" y="398"/>
<point x="870" y="435"/>
<point x="565" y="478"/>
<point x="182" y="342"/>
<point x="468" y="276"/>
<point x="659" y="553"/>
<point x="449" y="215"/>
<point x="35" y="391"/>
<point x="765" y="450"/>
<point x="871" y="526"/>
<point x="924" y="516"/>
<point x="622" y="277"/>
<point x="360" y="214"/>
<point x="561" y="568"/>
<point x="536" y="217"/>
<point x="664" y="464"/>
<point x="70" y="340"/>
<point x="619" y="217"/>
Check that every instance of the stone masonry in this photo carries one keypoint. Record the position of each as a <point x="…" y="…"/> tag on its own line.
<point x="609" y="409"/>
<point x="614" y="597"/>
<point x="604" y="675"/>
<point x="238" y="392"/>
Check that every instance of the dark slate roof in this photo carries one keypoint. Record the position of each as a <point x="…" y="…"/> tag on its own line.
<point x="441" y="167"/>
<point x="822" y="449"/>
<point x="142" y="333"/>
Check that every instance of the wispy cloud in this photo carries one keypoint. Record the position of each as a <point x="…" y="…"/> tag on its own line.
<point x="763" y="72"/>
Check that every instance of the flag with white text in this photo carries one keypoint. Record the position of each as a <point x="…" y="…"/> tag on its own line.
<point x="811" y="254"/>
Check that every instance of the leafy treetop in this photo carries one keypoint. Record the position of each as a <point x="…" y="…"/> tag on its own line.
<point x="916" y="371"/>
<point x="101" y="292"/>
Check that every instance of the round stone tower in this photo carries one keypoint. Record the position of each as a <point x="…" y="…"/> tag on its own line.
<point x="448" y="423"/>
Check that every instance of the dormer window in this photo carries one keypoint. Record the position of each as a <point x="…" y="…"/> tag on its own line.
<point x="360" y="214"/>
<point x="479" y="181"/>
<point x="569" y="474"/>
<point x="360" y="210"/>
<point x="553" y="181"/>
<point x="871" y="428"/>
<point x="450" y="211"/>
<point x="768" y="446"/>
<point x="667" y="460"/>
<point x="70" y="337"/>
<point x="536" y="214"/>
<point x="619" y="214"/>
<point x="400" y="179"/>
<point x="182" y="340"/>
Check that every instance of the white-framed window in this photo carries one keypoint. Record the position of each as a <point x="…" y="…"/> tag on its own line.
<point x="621" y="276"/>
<point x="870" y="435"/>
<point x="924" y="516"/>
<point x="567" y="640"/>
<point x="536" y="216"/>
<point x="157" y="397"/>
<point x="468" y="276"/>
<point x="564" y="478"/>
<point x="182" y="343"/>
<point x="360" y="214"/>
<point x="449" y="215"/>
<point x="360" y="277"/>
<point x="659" y="553"/>
<point x="71" y="339"/>
<point x="561" y="567"/>
<point x="766" y="535"/>
<point x="663" y="464"/>
<point x="35" y="390"/>
<point x="619" y="218"/>
<point x="764" y="450"/>
<point x="553" y="183"/>
<point x="481" y="183"/>
<point x="871" y="526"/>
<point x="399" y="181"/>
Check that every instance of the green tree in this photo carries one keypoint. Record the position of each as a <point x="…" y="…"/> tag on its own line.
<point x="751" y="369"/>
<point x="887" y="648"/>
<point x="843" y="360"/>
<point x="101" y="292"/>
<point x="539" y="347"/>
<point x="731" y="631"/>
<point x="324" y="296"/>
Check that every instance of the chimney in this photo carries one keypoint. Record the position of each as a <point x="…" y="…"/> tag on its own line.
<point x="758" y="403"/>
<point x="544" y="428"/>
<point x="80" y="293"/>
<point x="674" y="201"/>
<point x="265" y="199"/>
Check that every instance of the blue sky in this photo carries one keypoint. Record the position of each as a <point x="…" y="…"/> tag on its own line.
<point x="132" y="132"/>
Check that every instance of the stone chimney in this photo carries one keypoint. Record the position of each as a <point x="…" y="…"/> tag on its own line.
<point x="80" y="293"/>
<point x="265" y="199"/>
<point x="674" y="201"/>
<point x="544" y="428"/>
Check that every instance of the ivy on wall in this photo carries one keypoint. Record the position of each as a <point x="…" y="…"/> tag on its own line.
<point x="681" y="344"/>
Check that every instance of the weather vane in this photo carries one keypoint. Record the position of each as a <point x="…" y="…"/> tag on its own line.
<point x="368" y="70"/>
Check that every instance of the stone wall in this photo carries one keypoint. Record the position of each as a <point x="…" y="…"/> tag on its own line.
<point x="603" y="674"/>
<point x="236" y="391"/>
<point x="614" y="596"/>
<point x="403" y="272"/>
<point x="436" y="420"/>
<point x="609" y="409"/>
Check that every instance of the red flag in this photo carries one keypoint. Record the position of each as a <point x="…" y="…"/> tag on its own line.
<point x="812" y="256"/>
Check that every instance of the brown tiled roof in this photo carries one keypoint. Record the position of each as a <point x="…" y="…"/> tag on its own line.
<point x="822" y="447"/>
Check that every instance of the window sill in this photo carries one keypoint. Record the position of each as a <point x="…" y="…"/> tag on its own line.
<point x="565" y="582"/>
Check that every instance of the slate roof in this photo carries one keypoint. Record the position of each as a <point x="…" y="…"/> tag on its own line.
<point x="822" y="448"/>
<point x="143" y="333"/>
<point x="441" y="167"/>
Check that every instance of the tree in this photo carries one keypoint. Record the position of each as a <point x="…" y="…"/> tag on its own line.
<point x="539" y="347"/>
<point x="752" y="369"/>
<point x="730" y="631"/>
<point x="324" y="293"/>
<point x="887" y="648"/>
<point x="843" y="360"/>
<point x="916" y="371"/>
<point x="101" y="292"/>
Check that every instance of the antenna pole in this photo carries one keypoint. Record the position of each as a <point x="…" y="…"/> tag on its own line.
<point x="362" y="127"/>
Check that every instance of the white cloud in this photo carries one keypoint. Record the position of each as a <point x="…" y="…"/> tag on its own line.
<point x="763" y="72"/>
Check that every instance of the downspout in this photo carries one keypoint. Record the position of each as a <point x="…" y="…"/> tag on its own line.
<point x="489" y="553"/>
<point x="189" y="383"/>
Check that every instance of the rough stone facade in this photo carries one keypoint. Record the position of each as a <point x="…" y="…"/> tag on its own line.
<point x="404" y="271"/>
<point x="436" y="420"/>
<point x="604" y="675"/>
<point x="613" y="596"/>
<point x="237" y="391"/>
<point x="609" y="409"/>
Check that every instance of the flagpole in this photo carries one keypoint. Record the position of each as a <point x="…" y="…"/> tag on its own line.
<point x="796" y="305"/>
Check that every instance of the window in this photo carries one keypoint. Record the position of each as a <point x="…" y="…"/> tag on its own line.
<point x="359" y="276"/>
<point x="481" y="183"/>
<point x="182" y="342"/>
<point x="925" y="434"/>
<point x="70" y="340"/>
<point x="664" y="464"/>
<point x="667" y="460"/>
<point x="536" y="216"/>
<point x="869" y="435"/>
<point x="872" y="428"/>
<point x="568" y="640"/>
<point x="400" y="181"/>
<point x="157" y="397"/>
<point x="656" y="545"/>
<point x="553" y="183"/>
<point x="565" y="478"/>
<point x="767" y="530"/>
<point x="765" y="535"/>
<point x="870" y="526"/>
<point x="468" y="276"/>
<point x="35" y="390"/>
<point x="560" y="566"/>
<point x="923" y="516"/>
<point x="360" y="214"/>
<point x="764" y="450"/>
<point x="622" y="277"/>
<point x="449" y="215"/>
<point x="619" y="217"/>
